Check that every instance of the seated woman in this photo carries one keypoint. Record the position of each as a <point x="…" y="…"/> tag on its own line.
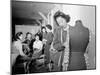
<point x="17" y="47"/>
<point x="17" y="54"/>
<point x="37" y="45"/>
<point x="27" y="47"/>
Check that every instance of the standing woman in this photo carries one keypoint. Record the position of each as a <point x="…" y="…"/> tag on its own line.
<point x="49" y="39"/>
<point x="74" y="39"/>
<point x="61" y="41"/>
<point x="44" y="35"/>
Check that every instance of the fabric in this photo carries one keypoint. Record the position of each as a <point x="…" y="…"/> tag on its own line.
<point x="90" y="52"/>
<point x="61" y="38"/>
<point x="77" y="61"/>
<point x="13" y="58"/>
<point x="16" y="51"/>
<point x="57" y="39"/>
<point x="18" y="46"/>
<point x="27" y="41"/>
<point x="66" y="53"/>
<point x="44" y="35"/>
<point x="79" y="39"/>
<point x="49" y="38"/>
<point x="55" y="58"/>
<point x="38" y="45"/>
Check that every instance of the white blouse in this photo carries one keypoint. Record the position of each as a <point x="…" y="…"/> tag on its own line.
<point x="38" y="45"/>
<point x="18" y="46"/>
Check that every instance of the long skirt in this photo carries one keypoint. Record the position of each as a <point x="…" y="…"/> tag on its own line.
<point x="47" y="53"/>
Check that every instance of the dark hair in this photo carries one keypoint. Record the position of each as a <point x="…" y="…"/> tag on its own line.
<point x="78" y="21"/>
<point x="61" y="14"/>
<point x="49" y="26"/>
<point x="37" y="35"/>
<point x="43" y="28"/>
<point x="27" y="34"/>
<point x="17" y="35"/>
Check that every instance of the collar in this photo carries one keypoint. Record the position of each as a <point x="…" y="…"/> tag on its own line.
<point x="65" y="29"/>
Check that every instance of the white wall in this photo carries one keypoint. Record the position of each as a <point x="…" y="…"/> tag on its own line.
<point x="84" y="13"/>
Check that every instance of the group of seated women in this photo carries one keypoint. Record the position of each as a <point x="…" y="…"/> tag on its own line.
<point x="32" y="48"/>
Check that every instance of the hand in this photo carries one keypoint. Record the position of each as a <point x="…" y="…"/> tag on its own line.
<point x="53" y="50"/>
<point x="66" y="43"/>
<point x="44" y="40"/>
<point x="34" y="49"/>
<point x="61" y="48"/>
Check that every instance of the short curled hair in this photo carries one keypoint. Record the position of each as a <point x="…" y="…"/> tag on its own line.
<point x="27" y="34"/>
<point x="49" y="26"/>
<point x="37" y="35"/>
<point x="43" y="28"/>
<point x="78" y="21"/>
<point x="61" y="14"/>
<point x="17" y="35"/>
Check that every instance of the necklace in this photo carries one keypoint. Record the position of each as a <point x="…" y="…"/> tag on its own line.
<point x="66" y="54"/>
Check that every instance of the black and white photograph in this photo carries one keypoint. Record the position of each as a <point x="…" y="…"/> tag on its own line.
<point x="52" y="37"/>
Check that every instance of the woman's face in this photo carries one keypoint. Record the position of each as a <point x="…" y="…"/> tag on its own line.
<point x="44" y="30"/>
<point x="61" y="21"/>
<point x="29" y="36"/>
<point x="37" y="37"/>
<point x="21" y="37"/>
<point x="48" y="30"/>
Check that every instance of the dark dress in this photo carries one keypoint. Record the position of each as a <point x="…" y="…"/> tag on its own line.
<point x="58" y="45"/>
<point x="79" y="39"/>
<point x="49" y="38"/>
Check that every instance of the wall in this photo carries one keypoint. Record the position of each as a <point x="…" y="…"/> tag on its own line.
<point x="84" y="13"/>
